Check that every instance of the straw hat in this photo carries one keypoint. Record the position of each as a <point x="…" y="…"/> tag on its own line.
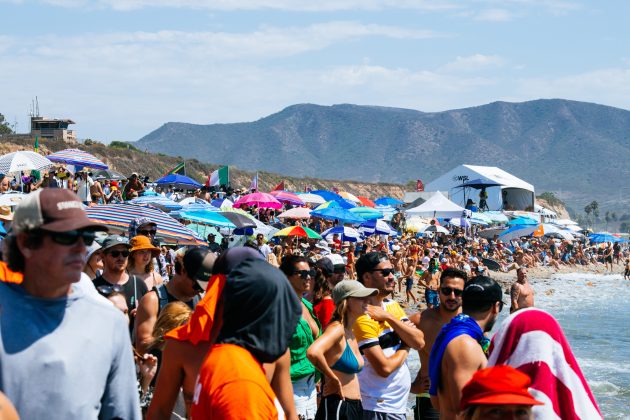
<point x="141" y="242"/>
<point x="5" y="213"/>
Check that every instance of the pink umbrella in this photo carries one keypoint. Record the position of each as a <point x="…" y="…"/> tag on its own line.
<point x="287" y="197"/>
<point x="262" y="200"/>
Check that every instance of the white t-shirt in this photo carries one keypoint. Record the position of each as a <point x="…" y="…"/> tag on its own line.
<point x="83" y="189"/>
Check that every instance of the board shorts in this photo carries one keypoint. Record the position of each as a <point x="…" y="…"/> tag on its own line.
<point x="409" y="283"/>
<point x="332" y="407"/>
<point x="432" y="297"/>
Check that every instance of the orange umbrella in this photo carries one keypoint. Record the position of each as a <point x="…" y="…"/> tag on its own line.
<point x="366" y="201"/>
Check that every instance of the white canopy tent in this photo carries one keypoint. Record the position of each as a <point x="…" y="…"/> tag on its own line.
<point x="512" y="193"/>
<point x="437" y="206"/>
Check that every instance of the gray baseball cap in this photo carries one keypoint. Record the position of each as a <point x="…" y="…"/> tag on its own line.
<point x="113" y="240"/>
<point x="351" y="288"/>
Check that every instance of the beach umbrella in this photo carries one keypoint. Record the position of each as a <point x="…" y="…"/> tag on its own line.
<point x="222" y="203"/>
<point x="337" y="213"/>
<point x="262" y="200"/>
<point x="436" y="229"/>
<point x="415" y="224"/>
<point x="328" y="195"/>
<point x="108" y="174"/>
<point x="288" y="197"/>
<point x="541" y="229"/>
<point x="603" y="237"/>
<point x="349" y="196"/>
<point x="301" y="231"/>
<point x="376" y="227"/>
<point x="77" y="157"/>
<point x="345" y="234"/>
<point x="523" y="221"/>
<point x="494" y="216"/>
<point x="204" y="230"/>
<point x="207" y="217"/>
<point x="388" y="201"/>
<point x="367" y="213"/>
<point x="296" y="213"/>
<point x="240" y="220"/>
<point x="11" y="198"/>
<point x="311" y="198"/>
<point x="564" y="222"/>
<point x="237" y="211"/>
<point x="338" y="204"/>
<point x="458" y="221"/>
<point x="118" y="216"/>
<point x="23" y="161"/>
<point x="366" y="201"/>
<point x="158" y="201"/>
<point x="196" y="200"/>
<point x="491" y="232"/>
<point x="178" y="181"/>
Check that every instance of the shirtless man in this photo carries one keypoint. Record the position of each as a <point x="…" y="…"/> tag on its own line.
<point x="430" y="280"/>
<point x="430" y="322"/>
<point x="521" y="292"/>
<point x="458" y="349"/>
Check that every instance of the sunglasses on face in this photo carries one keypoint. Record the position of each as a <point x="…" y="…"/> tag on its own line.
<point x="117" y="254"/>
<point x="385" y="271"/>
<point x="107" y="290"/>
<point x="72" y="236"/>
<point x="304" y="274"/>
<point x="147" y="232"/>
<point x="446" y="291"/>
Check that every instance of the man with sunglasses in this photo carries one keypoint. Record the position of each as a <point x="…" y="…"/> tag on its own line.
<point x="191" y="272"/>
<point x="430" y="322"/>
<point x="115" y="252"/>
<point x="63" y="353"/>
<point x="384" y="335"/>
<point x="459" y="349"/>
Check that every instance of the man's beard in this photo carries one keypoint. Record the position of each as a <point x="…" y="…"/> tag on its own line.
<point x="490" y="324"/>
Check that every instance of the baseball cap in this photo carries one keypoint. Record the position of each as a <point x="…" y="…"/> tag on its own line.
<point x="53" y="209"/>
<point x="113" y="240"/>
<point x="497" y="385"/>
<point x="198" y="263"/>
<point x="326" y="266"/>
<point x="479" y="291"/>
<point x="351" y="288"/>
<point x="367" y="263"/>
<point x="337" y="261"/>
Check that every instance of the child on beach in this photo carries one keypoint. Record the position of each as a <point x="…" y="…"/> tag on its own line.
<point x="626" y="273"/>
<point x="409" y="274"/>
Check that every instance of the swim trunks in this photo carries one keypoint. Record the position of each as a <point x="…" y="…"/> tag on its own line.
<point x="432" y="298"/>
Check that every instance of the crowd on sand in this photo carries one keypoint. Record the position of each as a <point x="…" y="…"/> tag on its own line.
<point x="99" y="325"/>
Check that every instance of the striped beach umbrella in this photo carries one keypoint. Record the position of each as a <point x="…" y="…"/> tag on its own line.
<point x="349" y="196"/>
<point x="301" y="231"/>
<point x="118" y="216"/>
<point x="23" y="161"/>
<point x="345" y="234"/>
<point x="78" y="158"/>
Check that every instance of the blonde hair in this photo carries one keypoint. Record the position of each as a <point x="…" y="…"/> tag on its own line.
<point x="171" y="316"/>
<point x="340" y="313"/>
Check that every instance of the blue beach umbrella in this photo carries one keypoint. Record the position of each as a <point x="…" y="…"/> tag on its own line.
<point x="523" y="221"/>
<point x="603" y="237"/>
<point x="367" y="213"/>
<point x="336" y="213"/>
<point x="388" y="201"/>
<point x="178" y="181"/>
<point x="345" y="234"/>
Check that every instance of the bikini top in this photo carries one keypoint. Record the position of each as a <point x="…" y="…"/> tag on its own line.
<point x="348" y="362"/>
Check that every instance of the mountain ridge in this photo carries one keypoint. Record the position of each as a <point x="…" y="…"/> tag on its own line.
<point x="575" y="149"/>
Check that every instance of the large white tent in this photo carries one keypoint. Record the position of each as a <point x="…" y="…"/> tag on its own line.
<point x="512" y="193"/>
<point x="437" y="206"/>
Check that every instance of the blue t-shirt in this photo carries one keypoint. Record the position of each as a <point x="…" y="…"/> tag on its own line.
<point x="66" y="358"/>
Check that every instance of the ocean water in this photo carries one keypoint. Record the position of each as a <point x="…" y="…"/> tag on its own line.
<point x="594" y="312"/>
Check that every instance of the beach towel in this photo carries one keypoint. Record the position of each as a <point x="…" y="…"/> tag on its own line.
<point x="460" y="325"/>
<point x="532" y="341"/>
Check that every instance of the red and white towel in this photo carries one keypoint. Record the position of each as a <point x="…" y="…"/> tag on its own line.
<point x="532" y="341"/>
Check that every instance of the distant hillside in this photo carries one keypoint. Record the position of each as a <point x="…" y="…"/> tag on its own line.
<point x="155" y="165"/>
<point x="577" y="150"/>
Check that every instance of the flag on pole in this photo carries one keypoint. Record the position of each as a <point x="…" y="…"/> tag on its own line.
<point x="219" y="177"/>
<point x="36" y="144"/>
<point x="179" y="169"/>
<point x="254" y="184"/>
<point x="280" y="186"/>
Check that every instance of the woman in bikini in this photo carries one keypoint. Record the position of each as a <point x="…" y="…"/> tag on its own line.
<point x="141" y="261"/>
<point x="336" y="354"/>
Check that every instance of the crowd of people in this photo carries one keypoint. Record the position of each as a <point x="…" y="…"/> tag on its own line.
<point x="100" y="325"/>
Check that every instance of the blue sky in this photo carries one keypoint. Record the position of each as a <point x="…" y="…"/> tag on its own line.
<point x="122" y="68"/>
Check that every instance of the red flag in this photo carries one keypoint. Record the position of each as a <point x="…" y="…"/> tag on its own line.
<point x="280" y="186"/>
<point x="419" y="185"/>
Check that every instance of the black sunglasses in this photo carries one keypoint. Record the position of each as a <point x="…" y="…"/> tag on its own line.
<point x="147" y="232"/>
<point x="72" y="236"/>
<point x="304" y="274"/>
<point x="446" y="291"/>
<point x="385" y="271"/>
<point x="117" y="254"/>
<point x="107" y="290"/>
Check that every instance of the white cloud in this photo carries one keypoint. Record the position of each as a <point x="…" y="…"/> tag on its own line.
<point x="472" y="63"/>
<point x="494" y="15"/>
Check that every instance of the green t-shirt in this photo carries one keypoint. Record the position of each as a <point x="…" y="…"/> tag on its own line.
<point x="301" y="340"/>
